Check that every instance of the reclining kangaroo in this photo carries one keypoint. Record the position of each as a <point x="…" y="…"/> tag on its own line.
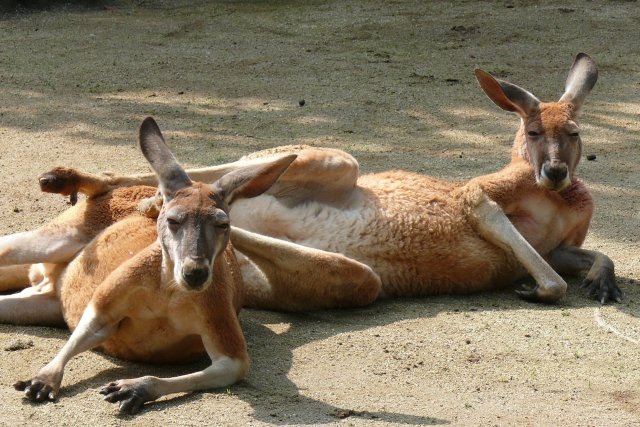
<point x="322" y="236"/>
<point x="165" y="296"/>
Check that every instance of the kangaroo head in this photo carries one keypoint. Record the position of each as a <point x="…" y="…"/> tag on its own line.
<point x="549" y="136"/>
<point x="193" y="224"/>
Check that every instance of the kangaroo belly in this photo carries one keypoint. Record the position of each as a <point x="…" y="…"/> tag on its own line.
<point x="405" y="226"/>
<point x="156" y="340"/>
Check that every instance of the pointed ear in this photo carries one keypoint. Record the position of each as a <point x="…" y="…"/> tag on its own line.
<point x="581" y="79"/>
<point x="251" y="181"/>
<point x="506" y="95"/>
<point x="171" y="176"/>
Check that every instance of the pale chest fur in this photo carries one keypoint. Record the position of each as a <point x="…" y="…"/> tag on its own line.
<point x="379" y="218"/>
<point x="548" y="219"/>
<point x="403" y="225"/>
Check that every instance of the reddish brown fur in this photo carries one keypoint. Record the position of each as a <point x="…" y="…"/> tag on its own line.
<point x="397" y="234"/>
<point x="89" y="278"/>
<point x="164" y="292"/>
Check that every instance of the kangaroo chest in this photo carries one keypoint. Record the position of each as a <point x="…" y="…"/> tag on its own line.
<point x="548" y="220"/>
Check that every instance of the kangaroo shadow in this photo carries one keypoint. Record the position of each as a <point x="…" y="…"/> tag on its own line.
<point x="276" y="399"/>
<point x="272" y="354"/>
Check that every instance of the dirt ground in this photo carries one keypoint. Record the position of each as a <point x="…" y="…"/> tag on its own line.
<point x="392" y="83"/>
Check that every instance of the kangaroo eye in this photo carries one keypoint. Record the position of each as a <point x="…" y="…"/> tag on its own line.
<point x="223" y="226"/>
<point x="172" y="221"/>
<point x="533" y="133"/>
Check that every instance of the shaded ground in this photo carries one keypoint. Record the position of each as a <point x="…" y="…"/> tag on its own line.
<point x="392" y="83"/>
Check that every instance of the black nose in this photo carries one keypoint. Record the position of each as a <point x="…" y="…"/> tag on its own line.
<point x="196" y="276"/>
<point x="555" y="171"/>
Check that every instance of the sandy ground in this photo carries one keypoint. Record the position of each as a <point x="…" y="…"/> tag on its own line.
<point x="392" y="83"/>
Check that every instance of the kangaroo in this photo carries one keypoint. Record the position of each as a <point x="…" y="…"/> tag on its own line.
<point x="165" y="293"/>
<point x="322" y="236"/>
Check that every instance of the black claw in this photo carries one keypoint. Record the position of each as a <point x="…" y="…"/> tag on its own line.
<point x="30" y="391"/>
<point x="534" y="295"/>
<point x="527" y="294"/>
<point x="131" y="398"/>
<point x="603" y="287"/>
<point x="131" y="406"/>
<point x="35" y="390"/>
<point x="136" y="407"/>
<point x="20" y="385"/>
<point x="42" y="395"/>
<point x="108" y="389"/>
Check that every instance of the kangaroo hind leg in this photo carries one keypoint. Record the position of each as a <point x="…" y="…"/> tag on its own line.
<point x="282" y="275"/>
<point x="37" y="305"/>
<point x="53" y="243"/>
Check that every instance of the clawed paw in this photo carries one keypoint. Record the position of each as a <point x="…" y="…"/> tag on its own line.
<point x="130" y="396"/>
<point x="37" y="390"/>
<point x="602" y="286"/>
<point x="61" y="180"/>
<point x="538" y="294"/>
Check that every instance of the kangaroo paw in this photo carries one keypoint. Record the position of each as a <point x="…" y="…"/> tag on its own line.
<point x="131" y="395"/>
<point x="39" y="389"/>
<point x="601" y="284"/>
<point x="70" y="182"/>
<point x="60" y="180"/>
<point x="544" y="295"/>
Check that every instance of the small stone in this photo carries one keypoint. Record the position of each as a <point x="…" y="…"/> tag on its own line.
<point x="302" y="102"/>
<point x="591" y="157"/>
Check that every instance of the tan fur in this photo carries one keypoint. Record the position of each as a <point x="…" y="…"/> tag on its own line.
<point x="162" y="291"/>
<point x="322" y="237"/>
<point x="137" y="337"/>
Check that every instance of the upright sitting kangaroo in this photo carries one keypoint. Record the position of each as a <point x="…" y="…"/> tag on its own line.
<point x="161" y="297"/>
<point x="322" y="236"/>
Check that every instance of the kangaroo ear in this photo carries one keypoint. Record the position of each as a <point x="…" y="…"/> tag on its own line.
<point x="506" y="95"/>
<point x="581" y="79"/>
<point x="251" y="181"/>
<point x="171" y="176"/>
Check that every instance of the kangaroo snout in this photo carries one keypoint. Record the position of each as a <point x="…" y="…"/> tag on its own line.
<point x="196" y="273"/>
<point x="555" y="175"/>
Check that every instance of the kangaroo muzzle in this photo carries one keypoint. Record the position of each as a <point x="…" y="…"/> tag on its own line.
<point x="554" y="175"/>
<point x="196" y="273"/>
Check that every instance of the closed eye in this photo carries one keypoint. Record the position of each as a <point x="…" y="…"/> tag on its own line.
<point x="533" y="133"/>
